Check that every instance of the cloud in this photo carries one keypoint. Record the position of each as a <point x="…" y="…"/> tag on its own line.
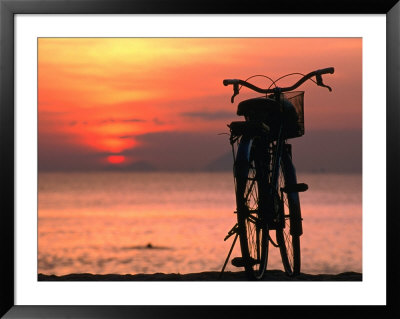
<point x="157" y="121"/>
<point x="112" y="120"/>
<point x="330" y="151"/>
<point x="179" y="150"/>
<point x="56" y="152"/>
<point x="127" y="136"/>
<point x="133" y="120"/>
<point x="218" y="115"/>
<point x="51" y="114"/>
<point x="199" y="150"/>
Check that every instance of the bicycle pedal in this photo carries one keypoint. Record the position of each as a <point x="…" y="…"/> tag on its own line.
<point x="240" y="262"/>
<point x="295" y="188"/>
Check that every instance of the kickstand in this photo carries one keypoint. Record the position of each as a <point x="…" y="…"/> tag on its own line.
<point x="227" y="258"/>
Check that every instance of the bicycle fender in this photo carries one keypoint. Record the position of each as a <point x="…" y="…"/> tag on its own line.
<point x="242" y="164"/>
<point x="293" y="197"/>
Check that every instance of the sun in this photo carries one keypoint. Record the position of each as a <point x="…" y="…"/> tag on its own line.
<point x="116" y="159"/>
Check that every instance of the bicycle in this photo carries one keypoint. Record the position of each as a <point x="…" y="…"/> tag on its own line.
<point x="266" y="187"/>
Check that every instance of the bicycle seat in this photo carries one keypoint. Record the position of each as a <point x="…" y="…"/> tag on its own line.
<point x="258" y="105"/>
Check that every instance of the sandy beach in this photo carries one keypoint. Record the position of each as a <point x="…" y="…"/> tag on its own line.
<point x="271" y="275"/>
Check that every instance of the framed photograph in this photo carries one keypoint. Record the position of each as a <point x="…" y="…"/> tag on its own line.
<point x="117" y="159"/>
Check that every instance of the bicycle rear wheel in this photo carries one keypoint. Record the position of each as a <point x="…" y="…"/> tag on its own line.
<point x="252" y="226"/>
<point x="290" y="229"/>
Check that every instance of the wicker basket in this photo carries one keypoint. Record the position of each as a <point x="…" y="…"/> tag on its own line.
<point x="295" y="125"/>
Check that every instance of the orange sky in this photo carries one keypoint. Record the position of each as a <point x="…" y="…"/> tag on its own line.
<point x="99" y="98"/>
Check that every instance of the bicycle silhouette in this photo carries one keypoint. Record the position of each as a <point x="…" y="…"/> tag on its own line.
<point x="267" y="192"/>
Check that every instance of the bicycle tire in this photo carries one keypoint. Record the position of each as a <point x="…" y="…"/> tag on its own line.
<point x="252" y="226"/>
<point x="288" y="235"/>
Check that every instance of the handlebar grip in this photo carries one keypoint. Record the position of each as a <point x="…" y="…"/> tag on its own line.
<point x="230" y="81"/>
<point x="330" y="70"/>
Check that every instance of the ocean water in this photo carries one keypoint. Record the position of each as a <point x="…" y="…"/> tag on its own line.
<point x="129" y="223"/>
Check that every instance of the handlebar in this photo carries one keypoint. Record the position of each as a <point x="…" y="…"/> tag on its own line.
<point x="330" y="70"/>
<point x="316" y="73"/>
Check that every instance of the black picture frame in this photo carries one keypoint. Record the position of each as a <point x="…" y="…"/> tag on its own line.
<point x="8" y="8"/>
